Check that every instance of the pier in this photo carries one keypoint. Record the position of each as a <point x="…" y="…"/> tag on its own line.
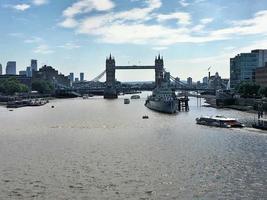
<point x="183" y="104"/>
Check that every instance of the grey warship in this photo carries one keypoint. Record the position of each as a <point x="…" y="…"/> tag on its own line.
<point x="163" y="98"/>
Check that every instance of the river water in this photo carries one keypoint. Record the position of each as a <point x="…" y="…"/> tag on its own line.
<point x="103" y="149"/>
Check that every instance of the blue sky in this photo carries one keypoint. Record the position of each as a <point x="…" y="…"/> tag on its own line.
<point x="77" y="35"/>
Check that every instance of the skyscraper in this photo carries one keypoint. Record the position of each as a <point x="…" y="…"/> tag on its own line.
<point x="34" y="65"/>
<point x="29" y="71"/>
<point x="71" y="77"/>
<point x="81" y="76"/>
<point x="11" y="68"/>
<point x="1" y="70"/>
<point x="189" y="81"/>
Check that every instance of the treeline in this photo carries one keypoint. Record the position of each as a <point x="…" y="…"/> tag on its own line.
<point x="11" y="86"/>
<point x="250" y="89"/>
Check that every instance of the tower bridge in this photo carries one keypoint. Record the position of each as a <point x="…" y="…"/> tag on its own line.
<point x="110" y="91"/>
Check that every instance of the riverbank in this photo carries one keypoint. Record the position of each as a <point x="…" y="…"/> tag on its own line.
<point x="241" y="104"/>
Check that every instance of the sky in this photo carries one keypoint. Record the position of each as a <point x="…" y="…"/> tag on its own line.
<point x="77" y="35"/>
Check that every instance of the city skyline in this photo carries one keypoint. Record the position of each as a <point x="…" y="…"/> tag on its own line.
<point x="78" y="35"/>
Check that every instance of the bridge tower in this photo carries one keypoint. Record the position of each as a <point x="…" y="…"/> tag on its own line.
<point x="110" y="90"/>
<point x="159" y="70"/>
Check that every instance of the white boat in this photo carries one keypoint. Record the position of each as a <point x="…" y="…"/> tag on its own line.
<point x="219" y="121"/>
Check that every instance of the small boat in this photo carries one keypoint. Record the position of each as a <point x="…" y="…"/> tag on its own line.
<point x="145" y="117"/>
<point x="219" y="121"/>
<point x="126" y="101"/>
<point x="85" y="96"/>
<point x="135" y="96"/>
<point x="17" y="104"/>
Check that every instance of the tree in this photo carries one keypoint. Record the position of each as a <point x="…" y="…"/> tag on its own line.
<point x="263" y="91"/>
<point x="248" y="89"/>
<point x="11" y="86"/>
<point x="43" y="87"/>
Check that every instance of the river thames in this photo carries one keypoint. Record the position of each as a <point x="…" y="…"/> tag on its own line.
<point x="103" y="149"/>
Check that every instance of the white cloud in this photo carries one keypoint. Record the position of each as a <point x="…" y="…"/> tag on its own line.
<point x="16" y="34"/>
<point x="21" y="7"/>
<point x="85" y="6"/>
<point x="69" y="23"/>
<point x="255" y="25"/>
<point x="206" y="20"/>
<point x="159" y="48"/>
<point x="69" y="46"/>
<point x="43" y="49"/>
<point x="143" y="25"/>
<point x="184" y="3"/>
<point x="39" y="2"/>
<point x="182" y="17"/>
<point x="33" y="40"/>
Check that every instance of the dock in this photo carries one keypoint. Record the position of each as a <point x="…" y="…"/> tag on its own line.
<point x="183" y="104"/>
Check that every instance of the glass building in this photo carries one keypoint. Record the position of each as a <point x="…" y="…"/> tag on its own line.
<point x="243" y="66"/>
<point x="11" y="68"/>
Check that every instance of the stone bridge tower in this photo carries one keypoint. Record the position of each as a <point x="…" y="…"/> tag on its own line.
<point x="159" y="70"/>
<point x="110" y="91"/>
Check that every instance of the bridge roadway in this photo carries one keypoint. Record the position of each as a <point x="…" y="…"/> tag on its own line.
<point x="99" y="89"/>
<point x="135" y="67"/>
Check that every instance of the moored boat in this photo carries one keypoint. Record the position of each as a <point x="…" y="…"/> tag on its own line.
<point x="219" y="121"/>
<point x="163" y="98"/>
<point x="135" y="96"/>
<point x="26" y="102"/>
<point x="126" y="101"/>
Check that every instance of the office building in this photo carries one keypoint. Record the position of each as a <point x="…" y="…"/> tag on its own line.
<point x="81" y="76"/>
<point x="11" y="68"/>
<point x="243" y="66"/>
<point x="261" y="76"/>
<point x="1" y="69"/>
<point x="216" y="82"/>
<point x="71" y="77"/>
<point x="29" y="72"/>
<point x="34" y="65"/>
<point x="76" y="79"/>
<point x="205" y="80"/>
<point x="189" y="81"/>
<point x="22" y="73"/>
<point x="51" y="75"/>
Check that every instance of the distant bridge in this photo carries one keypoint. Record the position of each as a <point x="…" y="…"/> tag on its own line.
<point x="111" y="88"/>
